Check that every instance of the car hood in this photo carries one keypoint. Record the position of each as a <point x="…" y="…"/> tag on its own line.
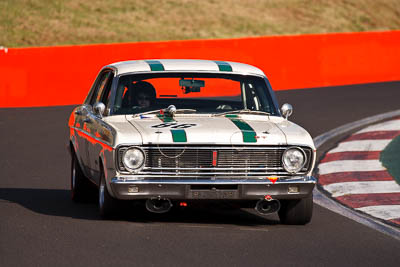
<point x="207" y="129"/>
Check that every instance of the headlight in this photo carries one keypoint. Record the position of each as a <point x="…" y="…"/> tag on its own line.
<point x="133" y="158"/>
<point x="293" y="159"/>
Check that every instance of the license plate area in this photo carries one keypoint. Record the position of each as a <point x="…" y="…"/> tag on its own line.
<point x="214" y="191"/>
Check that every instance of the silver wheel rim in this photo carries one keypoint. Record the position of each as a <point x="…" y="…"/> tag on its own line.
<point x="101" y="195"/>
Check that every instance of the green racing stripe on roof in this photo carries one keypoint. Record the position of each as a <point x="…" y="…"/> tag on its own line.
<point x="223" y="66"/>
<point x="155" y="65"/>
<point x="249" y="135"/>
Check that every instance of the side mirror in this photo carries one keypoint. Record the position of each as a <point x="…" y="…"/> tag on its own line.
<point x="99" y="108"/>
<point x="286" y="110"/>
<point x="82" y="110"/>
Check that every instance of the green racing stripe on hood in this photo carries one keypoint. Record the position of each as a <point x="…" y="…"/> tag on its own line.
<point x="223" y="66"/>
<point x="249" y="135"/>
<point x="155" y="65"/>
<point x="231" y="116"/>
<point x="178" y="135"/>
<point x="164" y="118"/>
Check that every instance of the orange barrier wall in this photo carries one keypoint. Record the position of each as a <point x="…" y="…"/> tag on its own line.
<point x="47" y="76"/>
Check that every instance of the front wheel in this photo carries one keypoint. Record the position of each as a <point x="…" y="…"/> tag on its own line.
<point x="298" y="211"/>
<point x="79" y="183"/>
<point x="106" y="202"/>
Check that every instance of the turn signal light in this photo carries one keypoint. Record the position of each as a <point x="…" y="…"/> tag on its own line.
<point x="268" y="197"/>
<point x="273" y="179"/>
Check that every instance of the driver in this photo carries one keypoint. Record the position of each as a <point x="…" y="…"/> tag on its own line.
<point x="145" y="94"/>
<point x="139" y="95"/>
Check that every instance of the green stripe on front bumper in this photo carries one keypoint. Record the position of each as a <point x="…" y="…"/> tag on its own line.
<point x="249" y="135"/>
<point x="178" y="135"/>
<point x="155" y="65"/>
<point x="223" y="66"/>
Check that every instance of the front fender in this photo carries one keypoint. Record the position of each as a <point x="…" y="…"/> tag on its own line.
<point x="107" y="167"/>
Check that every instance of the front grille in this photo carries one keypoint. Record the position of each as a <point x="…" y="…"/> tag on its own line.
<point x="215" y="161"/>
<point x="178" y="158"/>
<point x="203" y="158"/>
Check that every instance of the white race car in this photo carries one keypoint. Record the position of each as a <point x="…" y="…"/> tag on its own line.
<point x="171" y="132"/>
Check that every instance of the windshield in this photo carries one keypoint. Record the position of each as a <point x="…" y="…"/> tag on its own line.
<point x="193" y="93"/>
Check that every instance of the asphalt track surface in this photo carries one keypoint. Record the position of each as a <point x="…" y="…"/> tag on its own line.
<point x="40" y="226"/>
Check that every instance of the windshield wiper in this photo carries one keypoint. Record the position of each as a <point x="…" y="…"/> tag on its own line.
<point x="183" y="110"/>
<point x="242" y="111"/>
<point x="146" y="113"/>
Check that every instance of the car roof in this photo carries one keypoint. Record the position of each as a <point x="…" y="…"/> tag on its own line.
<point x="184" y="65"/>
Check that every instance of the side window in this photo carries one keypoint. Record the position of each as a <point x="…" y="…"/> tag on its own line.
<point x="123" y="84"/>
<point x="105" y="96"/>
<point x="100" y="86"/>
<point x="254" y="95"/>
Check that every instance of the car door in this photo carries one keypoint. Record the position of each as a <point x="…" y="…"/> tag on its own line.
<point x="98" y="127"/>
<point x="81" y="114"/>
<point x="84" y="115"/>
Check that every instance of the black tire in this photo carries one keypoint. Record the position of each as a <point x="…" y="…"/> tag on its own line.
<point x="296" y="212"/>
<point x="107" y="204"/>
<point x="79" y="183"/>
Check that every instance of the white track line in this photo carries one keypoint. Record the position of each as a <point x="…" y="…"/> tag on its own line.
<point x="393" y="125"/>
<point x="385" y="212"/>
<point x="350" y="166"/>
<point x="371" y="187"/>
<point x="361" y="145"/>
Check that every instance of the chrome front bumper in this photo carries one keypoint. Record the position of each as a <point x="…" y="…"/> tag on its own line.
<point x="237" y="189"/>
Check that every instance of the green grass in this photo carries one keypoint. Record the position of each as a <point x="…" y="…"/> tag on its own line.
<point x="64" y="22"/>
<point x="390" y="158"/>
